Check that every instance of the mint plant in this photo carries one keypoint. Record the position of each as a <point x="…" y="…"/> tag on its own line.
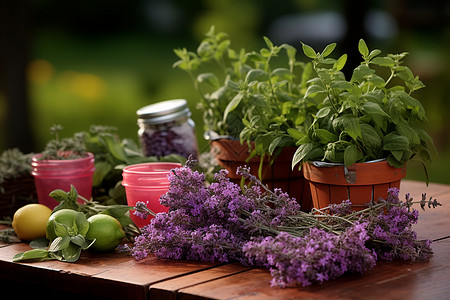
<point x="371" y="116"/>
<point x="252" y="96"/>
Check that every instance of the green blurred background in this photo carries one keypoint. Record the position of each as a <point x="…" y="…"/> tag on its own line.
<point x="78" y="63"/>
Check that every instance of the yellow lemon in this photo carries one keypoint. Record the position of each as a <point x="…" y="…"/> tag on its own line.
<point x="106" y="230"/>
<point x="30" y="221"/>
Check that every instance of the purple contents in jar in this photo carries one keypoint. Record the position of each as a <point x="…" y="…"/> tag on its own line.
<point x="168" y="141"/>
<point x="165" y="128"/>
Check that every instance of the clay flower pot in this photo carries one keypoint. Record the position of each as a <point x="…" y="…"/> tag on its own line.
<point x="360" y="182"/>
<point x="230" y="154"/>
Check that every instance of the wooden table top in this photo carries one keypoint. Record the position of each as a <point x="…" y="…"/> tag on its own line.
<point x="119" y="276"/>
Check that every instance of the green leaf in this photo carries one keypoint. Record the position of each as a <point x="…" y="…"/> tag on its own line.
<point x="328" y="49"/>
<point x="376" y="80"/>
<point x="268" y="42"/>
<point x="81" y="223"/>
<point x="323" y="112"/>
<point x="39" y="243"/>
<point x="351" y="155"/>
<point x="59" y="243"/>
<point x="256" y="75"/>
<point x="340" y="63"/>
<point x="73" y="194"/>
<point x="349" y="124"/>
<point x="404" y="129"/>
<point x="301" y="153"/>
<point x="374" y="53"/>
<point x="114" y="147"/>
<point x="71" y="253"/>
<point x="309" y="51"/>
<point x="360" y="73"/>
<point x="32" y="255"/>
<point x="325" y="136"/>
<point x="210" y="79"/>
<point x="102" y="169"/>
<point x="393" y="141"/>
<point x="282" y="73"/>
<point x="274" y="144"/>
<point x="295" y="133"/>
<point x="383" y="61"/>
<point x="374" y="109"/>
<point x="232" y="105"/>
<point x="370" y="137"/>
<point x="342" y="84"/>
<point x="59" y="195"/>
<point x="314" y="89"/>
<point x="398" y="154"/>
<point x="362" y="47"/>
<point x="61" y="230"/>
<point x="232" y="85"/>
<point x="394" y="162"/>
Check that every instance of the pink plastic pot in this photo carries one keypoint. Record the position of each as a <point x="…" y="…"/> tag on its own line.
<point x="50" y="175"/>
<point x="147" y="182"/>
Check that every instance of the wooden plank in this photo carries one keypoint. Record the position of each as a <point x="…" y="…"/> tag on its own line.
<point x="168" y="289"/>
<point x="399" y="280"/>
<point x="112" y="275"/>
<point x="416" y="188"/>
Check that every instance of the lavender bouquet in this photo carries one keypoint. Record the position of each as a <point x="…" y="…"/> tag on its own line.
<point x="222" y="222"/>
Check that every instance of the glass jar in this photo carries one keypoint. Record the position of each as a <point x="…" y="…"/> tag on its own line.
<point x="166" y="128"/>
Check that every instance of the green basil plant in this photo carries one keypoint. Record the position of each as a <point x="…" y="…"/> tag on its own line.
<point x="371" y="116"/>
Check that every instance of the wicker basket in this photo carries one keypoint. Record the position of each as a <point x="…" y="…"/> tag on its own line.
<point x="16" y="193"/>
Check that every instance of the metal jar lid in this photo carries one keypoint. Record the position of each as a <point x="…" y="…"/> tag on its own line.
<point x="164" y="111"/>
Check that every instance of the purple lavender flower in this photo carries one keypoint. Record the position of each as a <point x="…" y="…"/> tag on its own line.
<point x="315" y="258"/>
<point x="391" y="232"/>
<point x="220" y="222"/>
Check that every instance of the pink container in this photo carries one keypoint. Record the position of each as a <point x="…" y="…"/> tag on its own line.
<point x="147" y="182"/>
<point x="50" y="175"/>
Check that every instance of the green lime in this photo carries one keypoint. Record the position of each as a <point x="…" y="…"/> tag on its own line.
<point x="64" y="216"/>
<point x="106" y="230"/>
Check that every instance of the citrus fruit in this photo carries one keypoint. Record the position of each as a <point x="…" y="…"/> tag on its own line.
<point x="106" y="230"/>
<point x="29" y="221"/>
<point x="64" y="216"/>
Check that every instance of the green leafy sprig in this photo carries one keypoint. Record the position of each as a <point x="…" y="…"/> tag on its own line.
<point x="67" y="246"/>
<point x="72" y="240"/>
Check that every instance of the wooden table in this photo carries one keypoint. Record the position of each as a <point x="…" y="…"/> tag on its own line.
<point x="118" y="276"/>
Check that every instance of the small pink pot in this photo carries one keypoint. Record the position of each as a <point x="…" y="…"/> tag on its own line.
<point x="147" y="182"/>
<point x="50" y="175"/>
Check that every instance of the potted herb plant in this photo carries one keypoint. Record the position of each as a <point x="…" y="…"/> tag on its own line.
<point x="16" y="183"/>
<point x="365" y="129"/>
<point x="63" y="163"/>
<point x="253" y="107"/>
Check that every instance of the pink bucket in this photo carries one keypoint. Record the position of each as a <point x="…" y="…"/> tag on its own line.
<point x="147" y="182"/>
<point x="50" y="175"/>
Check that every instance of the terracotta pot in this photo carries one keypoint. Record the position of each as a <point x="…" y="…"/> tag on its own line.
<point x="361" y="182"/>
<point x="231" y="154"/>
